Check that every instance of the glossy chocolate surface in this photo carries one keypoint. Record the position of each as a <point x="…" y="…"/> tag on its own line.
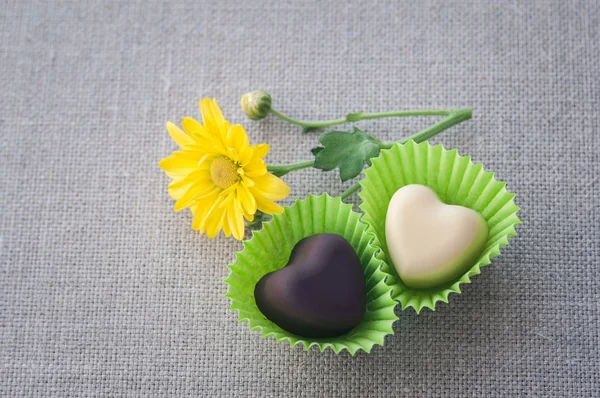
<point x="321" y="292"/>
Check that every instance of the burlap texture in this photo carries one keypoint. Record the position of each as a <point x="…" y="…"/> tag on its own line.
<point x="105" y="291"/>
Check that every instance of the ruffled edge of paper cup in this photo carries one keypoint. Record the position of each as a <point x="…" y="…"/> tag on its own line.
<point x="269" y="249"/>
<point x="457" y="181"/>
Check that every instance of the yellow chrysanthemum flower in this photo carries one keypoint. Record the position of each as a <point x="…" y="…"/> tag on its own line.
<point x="218" y="175"/>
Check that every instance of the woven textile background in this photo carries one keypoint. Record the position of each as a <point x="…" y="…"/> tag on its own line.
<point x="105" y="291"/>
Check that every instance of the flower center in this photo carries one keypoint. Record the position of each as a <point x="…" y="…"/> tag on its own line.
<point x="224" y="172"/>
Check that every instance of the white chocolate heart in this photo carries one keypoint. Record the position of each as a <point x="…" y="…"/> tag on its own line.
<point x="431" y="243"/>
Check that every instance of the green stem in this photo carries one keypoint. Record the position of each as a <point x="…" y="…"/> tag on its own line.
<point x="455" y="117"/>
<point x="355" y="117"/>
<point x="349" y="191"/>
<point x="312" y="125"/>
<point x="283" y="169"/>
<point x="259" y="217"/>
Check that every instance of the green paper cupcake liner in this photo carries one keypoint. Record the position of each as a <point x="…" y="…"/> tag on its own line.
<point x="457" y="181"/>
<point x="269" y="249"/>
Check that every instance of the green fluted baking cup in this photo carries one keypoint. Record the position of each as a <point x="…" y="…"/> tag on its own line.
<point x="457" y="181"/>
<point x="269" y="249"/>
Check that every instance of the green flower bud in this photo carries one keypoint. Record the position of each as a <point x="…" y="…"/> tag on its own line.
<point x="256" y="105"/>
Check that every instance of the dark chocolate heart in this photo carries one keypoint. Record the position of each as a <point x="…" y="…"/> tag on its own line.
<point x="321" y="292"/>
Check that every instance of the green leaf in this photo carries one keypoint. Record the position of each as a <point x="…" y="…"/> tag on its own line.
<point x="316" y="150"/>
<point x="348" y="151"/>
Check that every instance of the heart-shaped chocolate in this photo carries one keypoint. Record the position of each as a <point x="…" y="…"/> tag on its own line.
<point x="431" y="243"/>
<point x="321" y="292"/>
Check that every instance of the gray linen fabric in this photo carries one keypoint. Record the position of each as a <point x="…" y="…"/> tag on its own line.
<point x="105" y="291"/>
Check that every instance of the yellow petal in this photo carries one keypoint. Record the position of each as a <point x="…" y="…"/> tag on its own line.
<point x="189" y="154"/>
<point x="216" y="112"/>
<point x="268" y="207"/>
<point x="200" y="209"/>
<point x="180" y="138"/>
<point x="238" y="139"/>
<point x="214" y="223"/>
<point x="212" y="136"/>
<point x="260" y="150"/>
<point x="246" y="200"/>
<point x="219" y="139"/>
<point x="220" y="125"/>
<point x="207" y="116"/>
<point x="199" y="176"/>
<point x="198" y="213"/>
<point x="236" y="222"/>
<point x="247" y="181"/>
<point x="270" y="187"/>
<point x="177" y="191"/>
<point x="197" y="191"/>
<point x="255" y="168"/>
<point x="188" y="182"/>
<point x="224" y="193"/>
<point x="173" y="162"/>
<point x="226" y="199"/>
<point x="226" y="228"/>
<point x="249" y="217"/>
<point x="187" y="198"/>
<point x="245" y="157"/>
<point x="212" y="207"/>
<point x="208" y="215"/>
<point x="214" y="190"/>
<point x="206" y="161"/>
<point x="177" y="168"/>
<point x="192" y="127"/>
<point x="197" y="220"/>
